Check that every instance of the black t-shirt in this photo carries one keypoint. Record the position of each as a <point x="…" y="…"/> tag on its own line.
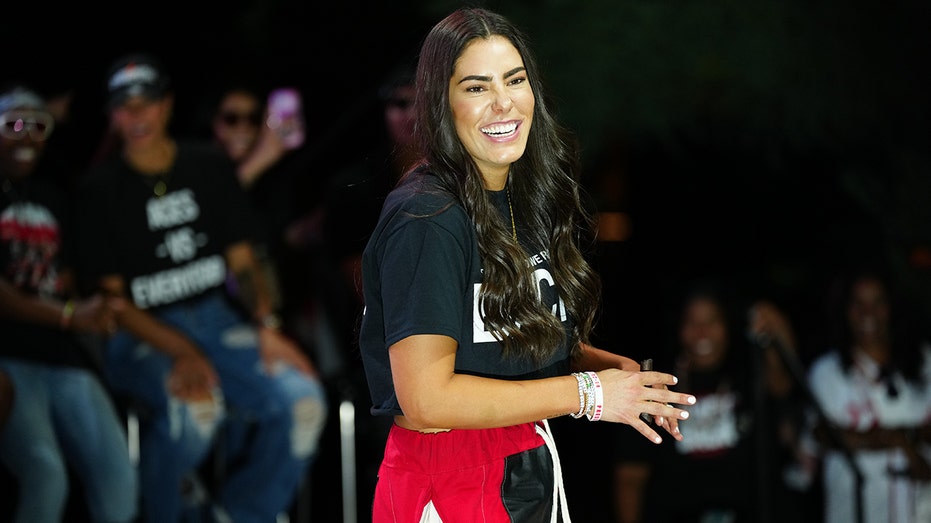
<point x="33" y="253"/>
<point x="718" y="454"/>
<point x="422" y="274"/>
<point x="168" y="248"/>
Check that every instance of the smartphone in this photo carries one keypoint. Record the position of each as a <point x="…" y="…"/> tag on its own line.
<point x="286" y="115"/>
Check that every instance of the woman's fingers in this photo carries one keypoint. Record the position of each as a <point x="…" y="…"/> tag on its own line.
<point x="647" y="432"/>
<point x="656" y="384"/>
<point x="660" y="404"/>
<point x="668" y="423"/>
<point x="636" y="398"/>
<point x="655" y="378"/>
<point x="671" y="425"/>
<point x="670" y="411"/>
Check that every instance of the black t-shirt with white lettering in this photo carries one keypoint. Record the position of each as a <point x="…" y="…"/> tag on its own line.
<point x="168" y="248"/>
<point x="421" y="274"/>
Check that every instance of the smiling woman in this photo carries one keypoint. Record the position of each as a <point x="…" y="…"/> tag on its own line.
<point x="492" y="105"/>
<point x="479" y="302"/>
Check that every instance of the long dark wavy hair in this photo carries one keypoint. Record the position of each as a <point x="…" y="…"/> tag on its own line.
<point x="543" y="185"/>
<point x="905" y="333"/>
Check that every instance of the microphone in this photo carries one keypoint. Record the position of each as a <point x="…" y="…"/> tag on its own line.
<point x="797" y="369"/>
<point x="787" y="355"/>
<point x="765" y="340"/>
<point x="760" y="339"/>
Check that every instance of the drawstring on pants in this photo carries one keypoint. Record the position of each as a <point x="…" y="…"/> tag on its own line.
<point x="559" y="490"/>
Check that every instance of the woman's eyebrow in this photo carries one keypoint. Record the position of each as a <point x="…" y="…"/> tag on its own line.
<point x="481" y="78"/>
<point x="514" y="71"/>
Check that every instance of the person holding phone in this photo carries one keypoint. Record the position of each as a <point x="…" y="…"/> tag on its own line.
<point x="479" y="301"/>
<point x="256" y="131"/>
<point x="262" y="131"/>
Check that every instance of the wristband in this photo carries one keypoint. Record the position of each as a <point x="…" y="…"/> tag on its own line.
<point x="589" y="394"/>
<point x="595" y="413"/>
<point x="67" y="312"/>
<point x="271" y="321"/>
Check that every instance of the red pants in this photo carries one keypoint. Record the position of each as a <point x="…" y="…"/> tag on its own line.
<point x="503" y="475"/>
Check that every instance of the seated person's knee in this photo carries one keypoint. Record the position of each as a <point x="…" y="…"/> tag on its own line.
<point x="309" y="419"/>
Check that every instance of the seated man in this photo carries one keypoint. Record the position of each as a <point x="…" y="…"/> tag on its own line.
<point x="166" y="225"/>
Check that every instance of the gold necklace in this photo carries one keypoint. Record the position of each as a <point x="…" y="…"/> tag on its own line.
<point x="161" y="187"/>
<point x="157" y="182"/>
<point x="156" y="171"/>
<point x="511" y="211"/>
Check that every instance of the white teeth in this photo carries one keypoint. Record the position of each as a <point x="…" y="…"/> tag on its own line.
<point x="500" y="129"/>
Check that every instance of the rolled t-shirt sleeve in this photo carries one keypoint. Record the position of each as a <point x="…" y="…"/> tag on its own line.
<point x="424" y="274"/>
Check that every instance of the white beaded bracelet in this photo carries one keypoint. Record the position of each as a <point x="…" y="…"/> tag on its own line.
<point x="581" y="379"/>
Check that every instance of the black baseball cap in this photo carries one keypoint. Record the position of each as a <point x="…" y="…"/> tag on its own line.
<point x="136" y="74"/>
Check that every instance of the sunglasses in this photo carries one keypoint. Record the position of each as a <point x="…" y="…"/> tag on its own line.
<point x="15" y="125"/>
<point x="232" y="119"/>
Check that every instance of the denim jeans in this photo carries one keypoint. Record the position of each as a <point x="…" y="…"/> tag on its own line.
<point x="61" y="417"/>
<point x="268" y="423"/>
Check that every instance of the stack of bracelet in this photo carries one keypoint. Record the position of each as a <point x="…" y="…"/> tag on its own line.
<point x="591" y="396"/>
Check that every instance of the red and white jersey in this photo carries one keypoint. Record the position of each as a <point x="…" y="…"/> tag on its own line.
<point x="859" y="399"/>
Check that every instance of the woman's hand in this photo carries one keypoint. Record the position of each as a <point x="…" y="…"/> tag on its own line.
<point x="768" y="324"/>
<point x="670" y="424"/>
<point x="628" y="394"/>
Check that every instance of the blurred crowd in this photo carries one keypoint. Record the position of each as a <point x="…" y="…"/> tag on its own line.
<point x="180" y="308"/>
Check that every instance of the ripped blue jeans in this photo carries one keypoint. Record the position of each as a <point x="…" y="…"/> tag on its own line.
<point x="268" y="424"/>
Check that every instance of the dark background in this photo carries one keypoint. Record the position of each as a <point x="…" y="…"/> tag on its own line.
<point x="768" y="142"/>
<point x="767" y="139"/>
